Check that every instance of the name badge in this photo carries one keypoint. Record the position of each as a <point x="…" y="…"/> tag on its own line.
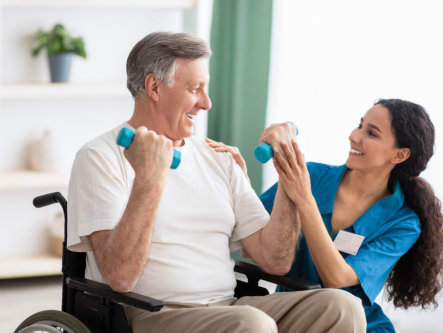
<point x="348" y="242"/>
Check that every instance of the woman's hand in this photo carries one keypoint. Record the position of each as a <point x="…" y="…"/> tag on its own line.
<point x="234" y="151"/>
<point x="293" y="173"/>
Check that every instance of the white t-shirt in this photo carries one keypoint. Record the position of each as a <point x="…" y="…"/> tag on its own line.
<point x="207" y="207"/>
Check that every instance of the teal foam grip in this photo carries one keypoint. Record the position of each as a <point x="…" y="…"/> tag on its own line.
<point x="126" y="136"/>
<point x="176" y="159"/>
<point x="263" y="152"/>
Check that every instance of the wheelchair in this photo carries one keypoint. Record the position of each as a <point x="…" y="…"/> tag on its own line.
<point x="92" y="307"/>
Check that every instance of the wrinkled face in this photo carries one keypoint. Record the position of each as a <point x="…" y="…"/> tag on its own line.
<point x="180" y="104"/>
<point x="373" y="144"/>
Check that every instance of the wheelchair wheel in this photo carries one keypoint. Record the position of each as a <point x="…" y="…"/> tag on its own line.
<point x="52" y="321"/>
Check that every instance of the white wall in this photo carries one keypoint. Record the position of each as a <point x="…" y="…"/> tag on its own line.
<point x="109" y="34"/>
<point x="332" y="59"/>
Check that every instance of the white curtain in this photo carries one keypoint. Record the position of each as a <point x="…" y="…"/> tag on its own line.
<point x="332" y="59"/>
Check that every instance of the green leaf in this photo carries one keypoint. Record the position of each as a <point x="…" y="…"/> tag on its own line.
<point x="58" y="40"/>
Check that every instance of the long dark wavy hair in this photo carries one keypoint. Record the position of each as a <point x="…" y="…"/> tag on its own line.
<point x="417" y="277"/>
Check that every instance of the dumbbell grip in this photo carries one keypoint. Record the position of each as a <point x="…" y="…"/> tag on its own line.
<point x="263" y="152"/>
<point x="126" y="136"/>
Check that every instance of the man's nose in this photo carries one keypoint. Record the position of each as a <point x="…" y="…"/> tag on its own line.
<point x="205" y="102"/>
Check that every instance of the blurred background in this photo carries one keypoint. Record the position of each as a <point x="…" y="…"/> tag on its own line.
<point x="318" y="63"/>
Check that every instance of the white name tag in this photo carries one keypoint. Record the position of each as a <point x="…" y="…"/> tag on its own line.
<point x="348" y="242"/>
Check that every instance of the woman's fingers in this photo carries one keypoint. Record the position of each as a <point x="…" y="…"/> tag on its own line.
<point x="298" y="154"/>
<point x="221" y="147"/>
<point x="234" y="151"/>
<point x="216" y="144"/>
<point x="282" y="162"/>
<point x="292" y="158"/>
<point x="213" y="143"/>
<point x="288" y="162"/>
<point x="281" y="173"/>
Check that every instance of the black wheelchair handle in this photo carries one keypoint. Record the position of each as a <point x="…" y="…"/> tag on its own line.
<point x="47" y="199"/>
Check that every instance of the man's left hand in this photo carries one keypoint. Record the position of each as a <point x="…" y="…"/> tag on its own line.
<point x="278" y="134"/>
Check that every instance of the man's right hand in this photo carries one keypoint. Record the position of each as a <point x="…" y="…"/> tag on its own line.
<point x="150" y="154"/>
<point x="122" y="253"/>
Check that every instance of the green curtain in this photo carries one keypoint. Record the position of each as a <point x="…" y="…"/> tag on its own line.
<point x="239" y="68"/>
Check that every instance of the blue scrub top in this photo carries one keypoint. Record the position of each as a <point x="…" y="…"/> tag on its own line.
<point x="390" y="229"/>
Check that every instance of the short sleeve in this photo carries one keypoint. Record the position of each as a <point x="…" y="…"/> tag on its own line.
<point x="97" y="196"/>
<point x="250" y="215"/>
<point x="375" y="259"/>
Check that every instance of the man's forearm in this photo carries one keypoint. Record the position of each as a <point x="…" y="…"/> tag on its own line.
<point x="122" y="253"/>
<point x="279" y="237"/>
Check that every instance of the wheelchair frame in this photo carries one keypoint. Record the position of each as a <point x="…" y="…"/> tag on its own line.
<point x="99" y="308"/>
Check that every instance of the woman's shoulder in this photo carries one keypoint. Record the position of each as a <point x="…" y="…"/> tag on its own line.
<point x="404" y="216"/>
<point x="407" y="219"/>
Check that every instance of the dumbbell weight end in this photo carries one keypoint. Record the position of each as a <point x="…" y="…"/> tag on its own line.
<point x="126" y="136"/>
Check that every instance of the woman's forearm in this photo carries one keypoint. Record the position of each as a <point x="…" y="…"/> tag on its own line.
<point x="331" y="267"/>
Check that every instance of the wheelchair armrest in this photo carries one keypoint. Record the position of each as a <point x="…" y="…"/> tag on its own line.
<point x="103" y="290"/>
<point x="254" y="274"/>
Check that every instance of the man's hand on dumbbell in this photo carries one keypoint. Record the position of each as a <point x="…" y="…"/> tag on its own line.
<point x="126" y="136"/>
<point x="149" y="154"/>
<point x="273" y="138"/>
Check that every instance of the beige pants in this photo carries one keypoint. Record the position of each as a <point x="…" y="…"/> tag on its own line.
<point x="322" y="310"/>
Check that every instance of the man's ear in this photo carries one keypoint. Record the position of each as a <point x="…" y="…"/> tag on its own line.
<point x="152" y="84"/>
<point x="401" y="155"/>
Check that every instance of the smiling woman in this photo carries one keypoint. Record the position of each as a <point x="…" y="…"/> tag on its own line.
<point x="369" y="222"/>
<point x="377" y="196"/>
<point x="373" y="144"/>
<point x="330" y="60"/>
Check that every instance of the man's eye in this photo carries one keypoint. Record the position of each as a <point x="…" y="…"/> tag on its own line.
<point x="359" y="126"/>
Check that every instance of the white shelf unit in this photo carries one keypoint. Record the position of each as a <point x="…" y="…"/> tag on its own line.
<point x="28" y="179"/>
<point x="20" y="267"/>
<point x="36" y="265"/>
<point x="27" y="91"/>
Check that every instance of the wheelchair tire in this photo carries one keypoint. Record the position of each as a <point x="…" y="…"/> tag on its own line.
<point x="52" y="321"/>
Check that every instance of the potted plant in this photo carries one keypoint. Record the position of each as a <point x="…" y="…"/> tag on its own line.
<point x="60" y="46"/>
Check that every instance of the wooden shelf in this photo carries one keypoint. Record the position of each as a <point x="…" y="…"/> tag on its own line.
<point x="152" y="4"/>
<point x="43" y="265"/>
<point x="21" y="91"/>
<point x="26" y="179"/>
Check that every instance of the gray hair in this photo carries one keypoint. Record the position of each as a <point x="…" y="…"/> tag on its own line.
<point x="157" y="54"/>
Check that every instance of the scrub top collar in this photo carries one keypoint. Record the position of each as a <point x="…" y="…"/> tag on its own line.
<point x="325" y="199"/>
<point x="369" y="223"/>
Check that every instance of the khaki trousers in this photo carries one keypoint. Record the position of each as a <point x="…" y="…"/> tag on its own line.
<point x="321" y="310"/>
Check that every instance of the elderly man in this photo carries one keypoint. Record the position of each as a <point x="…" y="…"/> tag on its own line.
<point x="168" y="233"/>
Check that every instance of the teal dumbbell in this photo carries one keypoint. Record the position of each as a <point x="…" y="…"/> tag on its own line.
<point x="263" y="152"/>
<point x="126" y="136"/>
